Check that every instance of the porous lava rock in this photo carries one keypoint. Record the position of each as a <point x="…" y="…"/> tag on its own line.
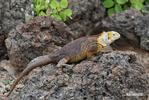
<point x="12" y="12"/>
<point x="39" y="36"/>
<point x="85" y="13"/>
<point x="142" y="30"/>
<point x="109" y="76"/>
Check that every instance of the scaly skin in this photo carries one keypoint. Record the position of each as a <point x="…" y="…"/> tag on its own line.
<point x="74" y="51"/>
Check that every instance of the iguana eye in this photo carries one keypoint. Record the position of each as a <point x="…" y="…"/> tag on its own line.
<point x="113" y="35"/>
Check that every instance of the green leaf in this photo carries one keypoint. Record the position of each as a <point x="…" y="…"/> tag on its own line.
<point x="56" y="16"/>
<point x="141" y="1"/>
<point x="137" y="5"/>
<point x="54" y="11"/>
<point x="39" y="2"/>
<point x="68" y="13"/>
<point x="52" y="8"/>
<point x="118" y="8"/>
<point x="64" y="3"/>
<point x="54" y="4"/>
<point x="63" y="16"/>
<point x="59" y="8"/>
<point x="108" y="3"/>
<point x="121" y="1"/>
<point x="135" y="1"/>
<point x="132" y="1"/>
<point x="45" y="6"/>
<point x="42" y="13"/>
<point x="42" y="7"/>
<point x="47" y="1"/>
<point x="37" y="9"/>
<point x="111" y="11"/>
<point x="35" y="2"/>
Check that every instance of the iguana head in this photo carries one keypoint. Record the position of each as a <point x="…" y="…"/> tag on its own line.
<point x="106" y="38"/>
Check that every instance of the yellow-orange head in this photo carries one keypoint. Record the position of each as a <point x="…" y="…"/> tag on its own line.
<point x="106" y="38"/>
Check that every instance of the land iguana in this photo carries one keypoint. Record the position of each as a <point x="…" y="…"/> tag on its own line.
<point x="74" y="51"/>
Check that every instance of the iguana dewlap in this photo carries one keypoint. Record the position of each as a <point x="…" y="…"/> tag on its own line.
<point x="74" y="51"/>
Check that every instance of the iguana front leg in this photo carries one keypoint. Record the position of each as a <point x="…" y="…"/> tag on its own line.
<point x="92" y="49"/>
<point x="63" y="62"/>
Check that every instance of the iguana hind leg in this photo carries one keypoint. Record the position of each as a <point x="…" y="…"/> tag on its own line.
<point x="63" y="62"/>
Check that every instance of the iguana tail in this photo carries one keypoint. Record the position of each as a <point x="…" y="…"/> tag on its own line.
<point x="37" y="62"/>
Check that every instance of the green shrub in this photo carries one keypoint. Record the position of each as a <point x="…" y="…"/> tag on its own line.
<point x="52" y="8"/>
<point x="114" y="6"/>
